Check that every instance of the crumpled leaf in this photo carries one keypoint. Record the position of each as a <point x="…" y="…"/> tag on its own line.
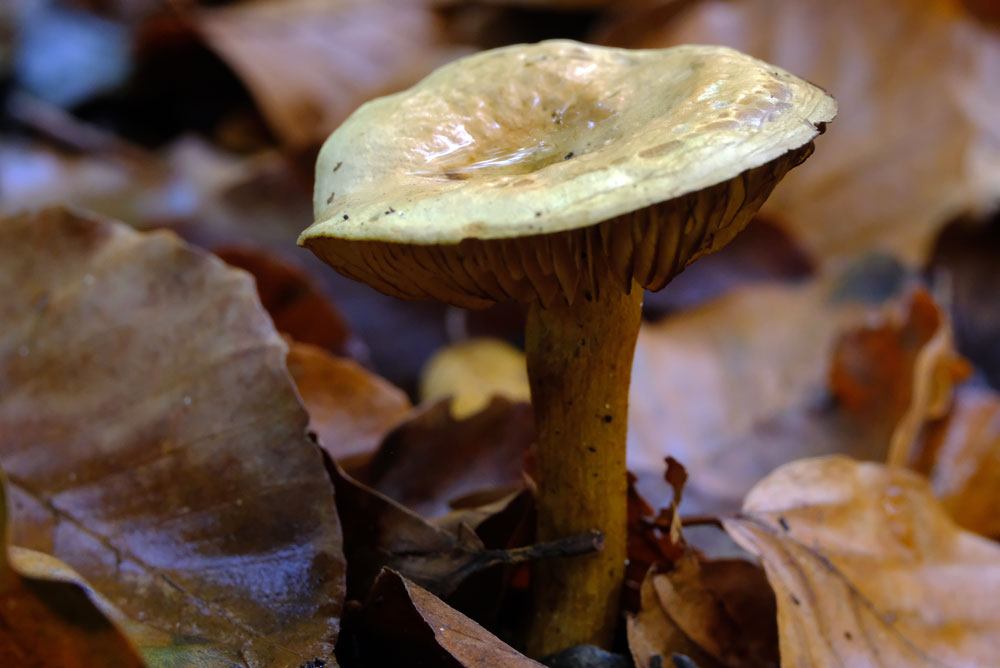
<point x="48" y="617"/>
<point x="961" y="456"/>
<point x="654" y="638"/>
<point x="155" y="444"/>
<point x="869" y="570"/>
<point x="914" y="144"/>
<point x="433" y="458"/>
<point x="407" y="625"/>
<point x="719" y="612"/>
<point x="309" y="63"/>
<point x="472" y="372"/>
<point x="653" y="539"/>
<point x="723" y="606"/>
<point x="903" y="368"/>
<point x="743" y="384"/>
<point x="350" y="408"/>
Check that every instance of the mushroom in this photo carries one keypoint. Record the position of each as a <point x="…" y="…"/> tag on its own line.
<point x="569" y="177"/>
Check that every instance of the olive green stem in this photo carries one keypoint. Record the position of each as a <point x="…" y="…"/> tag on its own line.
<point x="579" y="367"/>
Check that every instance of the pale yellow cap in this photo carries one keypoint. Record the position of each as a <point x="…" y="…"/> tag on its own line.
<point x="509" y="173"/>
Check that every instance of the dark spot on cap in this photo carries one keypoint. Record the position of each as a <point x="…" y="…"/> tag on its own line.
<point x="330" y="198"/>
<point x="345" y="216"/>
<point x="847" y="634"/>
<point x="391" y="210"/>
<point x="568" y="155"/>
<point x="796" y="600"/>
<point x="783" y="522"/>
<point x="592" y="448"/>
<point x="608" y="418"/>
<point x="538" y="214"/>
<point x="338" y="166"/>
<point x="586" y="295"/>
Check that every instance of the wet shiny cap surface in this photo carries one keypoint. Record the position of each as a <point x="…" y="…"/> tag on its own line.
<point x="542" y="138"/>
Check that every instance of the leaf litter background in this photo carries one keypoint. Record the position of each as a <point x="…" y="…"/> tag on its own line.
<point x="198" y="473"/>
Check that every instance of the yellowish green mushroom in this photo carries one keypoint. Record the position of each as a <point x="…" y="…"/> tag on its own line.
<point x="570" y="177"/>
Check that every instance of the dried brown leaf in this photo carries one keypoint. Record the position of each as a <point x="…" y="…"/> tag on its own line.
<point x="309" y="63"/>
<point x="869" y="570"/>
<point x="154" y="441"/>
<point x="407" y="625"/>
<point x="350" y="408"/>
<point x="653" y="637"/>
<point x="741" y="385"/>
<point x="291" y="298"/>
<point x="914" y="143"/>
<point x="472" y="372"/>
<point x="900" y="372"/>
<point x="48" y="617"/>
<point x="961" y="456"/>
<point x="433" y="458"/>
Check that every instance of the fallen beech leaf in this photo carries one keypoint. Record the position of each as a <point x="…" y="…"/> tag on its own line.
<point x="350" y="408"/>
<point x="407" y="625"/>
<point x="900" y="162"/>
<point x="869" y="570"/>
<point x="741" y="385"/>
<point x="724" y="606"/>
<point x="309" y="63"/>
<point x="961" y="456"/>
<point x="158" y="648"/>
<point x="154" y="441"/>
<point x="472" y="372"/>
<point x="653" y="637"/>
<point x="293" y="301"/>
<point x="432" y="458"/>
<point x="48" y="617"/>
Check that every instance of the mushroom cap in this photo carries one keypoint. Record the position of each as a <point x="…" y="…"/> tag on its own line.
<point x="550" y="141"/>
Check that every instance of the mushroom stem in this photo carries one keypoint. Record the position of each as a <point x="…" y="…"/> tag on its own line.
<point x="579" y="367"/>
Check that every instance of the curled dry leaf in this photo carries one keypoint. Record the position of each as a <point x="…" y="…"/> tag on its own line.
<point x="154" y="441"/>
<point x="432" y="459"/>
<point x="915" y="142"/>
<point x="719" y="612"/>
<point x="350" y="408"/>
<point x="48" y="616"/>
<point x="472" y="372"/>
<point x="653" y="637"/>
<point x="309" y="63"/>
<point x="407" y="625"/>
<point x="961" y="456"/>
<point x="741" y="385"/>
<point x="868" y="569"/>
<point x="900" y="372"/>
